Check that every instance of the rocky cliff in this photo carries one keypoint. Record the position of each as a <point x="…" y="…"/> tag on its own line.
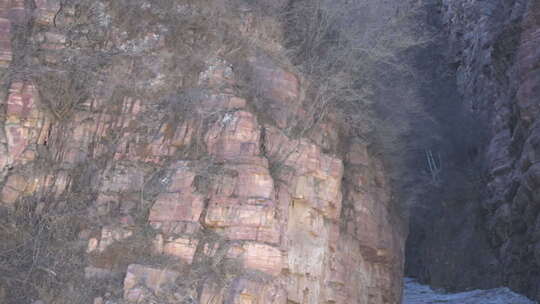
<point x="167" y="152"/>
<point x="491" y="238"/>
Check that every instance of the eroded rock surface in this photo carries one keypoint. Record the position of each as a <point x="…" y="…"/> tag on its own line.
<point x="135" y="128"/>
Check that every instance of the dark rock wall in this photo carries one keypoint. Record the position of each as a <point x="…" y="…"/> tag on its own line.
<point x="494" y="47"/>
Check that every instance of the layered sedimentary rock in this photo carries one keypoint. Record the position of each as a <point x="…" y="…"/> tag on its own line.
<point x="5" y="30"/>
<point x="495" y="48"/>
<point x="164" y="145"/>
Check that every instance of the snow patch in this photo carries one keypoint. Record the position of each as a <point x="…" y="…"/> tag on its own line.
<point x="415" y="293"/>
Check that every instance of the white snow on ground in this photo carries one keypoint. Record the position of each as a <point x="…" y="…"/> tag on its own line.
<point x="416" y="293"/>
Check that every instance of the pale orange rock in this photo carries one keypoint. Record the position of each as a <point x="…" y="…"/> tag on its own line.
<point x="24" y="122"/>
<point x="308" y="244"/>
<point x="317" y="176"/>
<point x="231" y="211"/>
<point x="18" y="140"/>
<point x="244" y="219"/>
<point x="305" y="157"/>
<point x="86" y="127"/>
<point x="234" y="135"/>
<point x="92" y="245"/>
<point x="15" y="187"/>
<point x="245" y="177"/>
<point x="236" y="102"/>
<point x="5" y="40"/>
<point x="224" y="185"/>
<point x="183" y="248"/>
<point x="98" y="300"/>
<point x="9" y="195"/>
<point x="182" y="179"/>
<point x="253" y="181"/>
<point x="172" y="207"/>
<point x="182" y="136"/>
<point x="322" y="194"/>
<point x="262" y="257"/>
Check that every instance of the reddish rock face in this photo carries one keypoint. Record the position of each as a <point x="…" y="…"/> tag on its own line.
<point x="24" y="125"/>
<point x="236" y="134"/>
<point x="179" y="180"/>
<point x="252" y="219"/>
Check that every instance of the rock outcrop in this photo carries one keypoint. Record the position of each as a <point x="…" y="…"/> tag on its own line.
<point x="165" y="147"/>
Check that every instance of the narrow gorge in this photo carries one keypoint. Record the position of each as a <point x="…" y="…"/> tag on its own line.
<point x="278" y="151"/>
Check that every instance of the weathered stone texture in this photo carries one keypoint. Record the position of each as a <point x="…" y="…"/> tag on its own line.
<point x="5" y="39"/>
<point x="184" y="183"/>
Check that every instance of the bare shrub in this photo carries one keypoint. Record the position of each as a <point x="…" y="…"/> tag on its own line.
<point x="40" y="255"/>
<point x="357" y="56"/>
<point x="353" y="54"/>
